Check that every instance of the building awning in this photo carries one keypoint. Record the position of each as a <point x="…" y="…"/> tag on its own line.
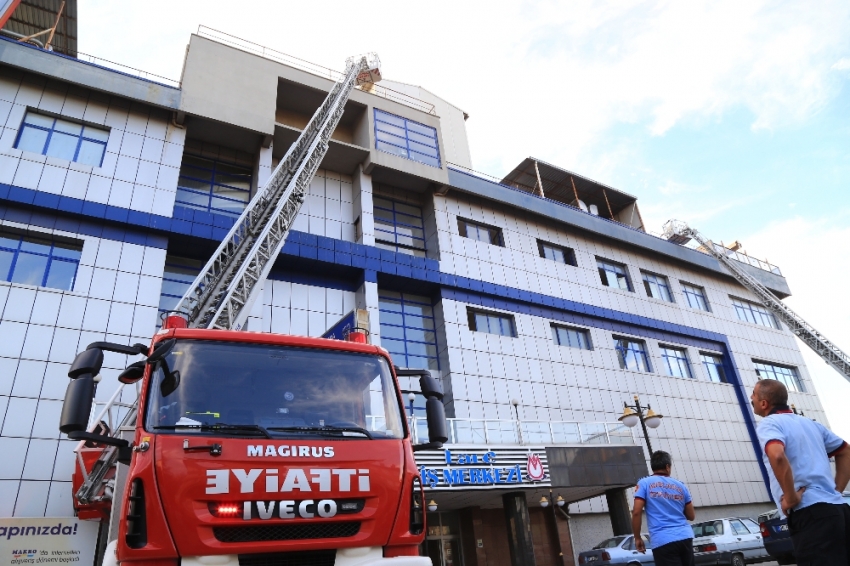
<point x="546" y="180"/>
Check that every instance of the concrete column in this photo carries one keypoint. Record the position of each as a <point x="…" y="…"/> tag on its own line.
<point x="519" y="529"/>
<point x="618" y="509"/>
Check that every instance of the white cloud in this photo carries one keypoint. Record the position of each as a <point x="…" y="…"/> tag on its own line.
<point x="842" y="64"/>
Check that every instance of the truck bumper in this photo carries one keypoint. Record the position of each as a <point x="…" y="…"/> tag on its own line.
<point x="362" y="556"/>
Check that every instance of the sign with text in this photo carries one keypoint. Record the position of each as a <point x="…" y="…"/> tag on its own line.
<point x="465" y="468"/>
<point x="64" y="540"/>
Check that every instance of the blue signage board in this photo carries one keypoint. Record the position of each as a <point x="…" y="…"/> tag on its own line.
<point x="479" y="469"/>
<point x="340" y="330"/>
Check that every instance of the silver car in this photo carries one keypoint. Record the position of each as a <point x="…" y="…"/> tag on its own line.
<point x="734" y="540"/>
<point x="618" y="550"/>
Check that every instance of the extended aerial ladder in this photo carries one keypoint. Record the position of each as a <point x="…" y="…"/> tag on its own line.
<point x="223" y="293"/>
<point x="679" y="232"/>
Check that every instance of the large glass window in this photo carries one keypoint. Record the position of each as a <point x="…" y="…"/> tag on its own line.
<point x="491" y="322"/>
<point x="179" y="273"/>
<point x="713" y="367"/>
<point x="695" y="296"/>
<point x="657" y="286"/>
<point x="55" y="137"/>
<point x="556" y="253"/>
<point x="754" y="313"/>
<point x="632" y="354"/>
<point x="399" y="227"/>
<point x="676" y="362"/>
<point x="408" y="329"/>
<point x="406" y="138"/>
<point x="613" y="274"/>
<point x="785" y="374"/>
<point x="572" y="337"/>
<point x="213" y="185"/>
<point x="233" y="389"/>
<point x="480" y="232"/>
<point x="42" y="262"/>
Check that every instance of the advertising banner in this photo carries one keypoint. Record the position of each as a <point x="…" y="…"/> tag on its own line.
<point x="64" y="540"/>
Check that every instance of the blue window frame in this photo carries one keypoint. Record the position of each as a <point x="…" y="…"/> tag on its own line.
<point x="406" y="138"/>
<point x="676" y="362"/>
<point x="695" y="296"/>
<point x="178" y="275"/>
<point x="42" y="262"/>
<point x="213" y="185"/>
<point x="55" y="137"/>
<point x="613" y="275"/>
<point x="657" y="286"/>
<point x="713" y="367"/>
<point x="491" y="322"/>
<point x="632" y="354"/>
<point x="785" y="374"/>
<point x="408" y="329"/>
<point x="399" y="227"/>
<point x="572" y="337"/>
<point x="556" y="253"/>
<point x="480" y="232"/>
<point x="754" y="313"/>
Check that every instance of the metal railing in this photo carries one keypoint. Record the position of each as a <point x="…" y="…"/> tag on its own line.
<point x="744" y="258"/>
<point x="497" y="431"/>
<point x="127" y="70"/>
<point x="313" y="68"/>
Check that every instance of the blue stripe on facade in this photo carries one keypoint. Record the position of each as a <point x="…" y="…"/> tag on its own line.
<point x="372" y="261"/>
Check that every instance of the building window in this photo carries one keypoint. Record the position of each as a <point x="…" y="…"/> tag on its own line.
<point x="572" y="337"/>
<point x="213" y="186"/>
<point x="178" y="275"/>
<point x="55" y="137"/>
<point x="556" y="253"/>
<point x="695" y="297"/>
<point x="406" y="138"/>
<point x="399" y="227"/>
<point x="480" y="232"/>
<point x="657" y="286"/>
<point x="632" y="354"/>
<point x="491" y="322"/>
<point x="785" y="374"/>
<point x="713" y="367"/>
<point x="408" y="329"/>
<point x="42" y="262"/>
<point x="613" y="274"/>
<point x="676" y="362"/>
<point x="754" y="313"/>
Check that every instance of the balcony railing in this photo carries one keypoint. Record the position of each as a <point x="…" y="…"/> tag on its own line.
<point x="490" y="431"/>
<point x="744" y="258"/>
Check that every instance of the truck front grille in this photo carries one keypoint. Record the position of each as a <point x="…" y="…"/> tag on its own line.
<point x="256" y="533"/>
<point x="305" y="558"/>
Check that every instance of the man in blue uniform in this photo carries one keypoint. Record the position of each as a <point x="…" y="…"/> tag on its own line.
<point x="668" y="509"/>
<point x="796" y="453"/>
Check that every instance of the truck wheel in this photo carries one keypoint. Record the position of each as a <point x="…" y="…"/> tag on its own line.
<point x="737" y="560"/>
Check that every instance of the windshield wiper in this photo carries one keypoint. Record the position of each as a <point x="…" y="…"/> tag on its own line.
<point x="219" y="427"/>
<point x="322" y="429"/>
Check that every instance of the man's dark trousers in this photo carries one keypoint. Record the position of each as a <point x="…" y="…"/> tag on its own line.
<point x="821" y="533"/>
<point x="678" y="553"/>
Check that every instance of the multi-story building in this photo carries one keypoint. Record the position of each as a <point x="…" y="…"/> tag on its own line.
<point x="538" y="299"/>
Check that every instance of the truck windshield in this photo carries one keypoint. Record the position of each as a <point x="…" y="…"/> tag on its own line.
<point x="285" y="391"/>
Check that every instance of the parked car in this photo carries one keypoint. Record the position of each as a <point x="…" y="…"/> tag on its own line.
<point x="733" y="540"/>
<point x="618" y="550"/>
<point x="777" y="539"/>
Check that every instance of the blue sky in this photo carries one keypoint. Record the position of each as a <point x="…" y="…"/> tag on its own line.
<point x="733" y="116"/>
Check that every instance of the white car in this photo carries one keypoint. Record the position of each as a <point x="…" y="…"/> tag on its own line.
<point x="734" y="540"/>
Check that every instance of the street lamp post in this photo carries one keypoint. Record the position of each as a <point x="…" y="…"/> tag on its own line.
<point x="632" y="414"/>
<point x="558" y="502"/>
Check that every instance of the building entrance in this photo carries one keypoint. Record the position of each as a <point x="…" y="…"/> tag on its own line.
<point x="442" y="541"/>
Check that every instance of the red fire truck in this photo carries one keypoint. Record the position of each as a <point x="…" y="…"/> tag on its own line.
<point x="260" y="449"/>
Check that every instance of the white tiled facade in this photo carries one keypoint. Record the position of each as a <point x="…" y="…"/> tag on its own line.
<point x="117" y="292"/>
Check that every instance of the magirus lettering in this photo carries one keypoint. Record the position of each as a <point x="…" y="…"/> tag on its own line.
<point x="290" y="451"/>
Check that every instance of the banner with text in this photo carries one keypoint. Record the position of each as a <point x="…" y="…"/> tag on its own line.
<point x="64" y="540"/>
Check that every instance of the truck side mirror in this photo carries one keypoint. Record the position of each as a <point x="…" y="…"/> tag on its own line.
<point x="77" y="406"/>
<point x="133" y="373"/>
<point x="436" y="413"/>
<point x="430" y="387"/>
